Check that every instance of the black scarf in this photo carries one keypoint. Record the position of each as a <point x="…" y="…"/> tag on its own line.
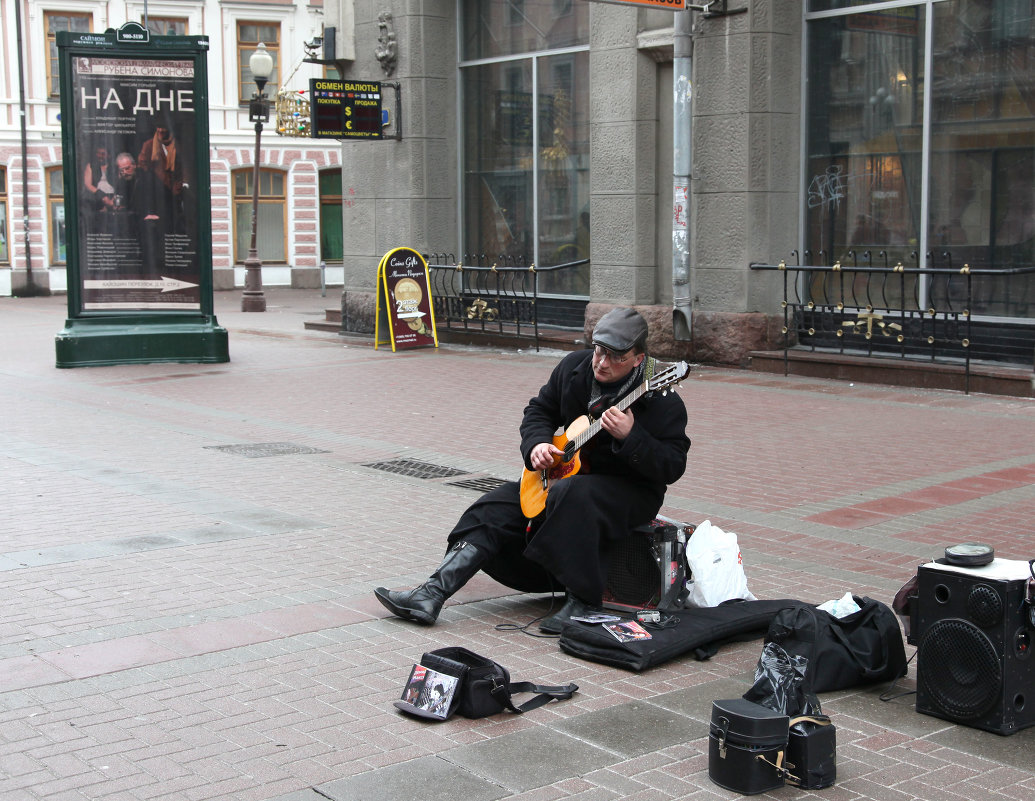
<point x="604" y="396"/>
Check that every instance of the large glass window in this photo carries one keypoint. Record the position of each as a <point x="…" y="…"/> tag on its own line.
<point x="5" y="253"/>
<point x="960" y="189"/>
<point x="498" y="136"/>
<point x="55" y="21"/>
<point x="167" y="26"/>
<point x="526" y="135"/>
<point x="495" y="28"/>
<point x="331" y="224"/>
<point x="249" y="35"/>
<point x="865" y="138"/>
<point x="982" y="197"/>
<point x="56" y="215"/>
<point x="270" y="220"/>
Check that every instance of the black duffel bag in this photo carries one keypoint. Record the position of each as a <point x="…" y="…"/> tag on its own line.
<point x="862" y="648"/>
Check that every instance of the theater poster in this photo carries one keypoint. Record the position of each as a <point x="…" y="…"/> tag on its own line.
<point x="136" y="179"/>
<point x="134" y="140"/>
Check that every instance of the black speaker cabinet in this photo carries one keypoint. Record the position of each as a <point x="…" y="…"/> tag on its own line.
<point x="974" y="637"/>
<point x="647" y="570"/>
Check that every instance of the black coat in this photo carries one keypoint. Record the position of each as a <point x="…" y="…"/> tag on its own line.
<point x="621" y="485"/>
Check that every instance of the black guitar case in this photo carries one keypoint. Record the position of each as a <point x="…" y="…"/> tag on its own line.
<point x="700" y="631"/>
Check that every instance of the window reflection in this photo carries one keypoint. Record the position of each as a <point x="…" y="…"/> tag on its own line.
<point x="526" y="137"/>
<point x="867" y="156"/>
<point x="494" y="28"/>
<point x="982" y="141"/>
<point x="864" y="166"/>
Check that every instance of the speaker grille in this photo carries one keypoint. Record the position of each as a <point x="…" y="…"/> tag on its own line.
<point x="961" y="673"/>
<point x="633" y="576"/>
<point x="984" y="606"/>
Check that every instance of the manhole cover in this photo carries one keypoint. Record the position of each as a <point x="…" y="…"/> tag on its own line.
<point x="257" y="450"/>
<point x="416" y="469"/>
<point x="483" y="484"/>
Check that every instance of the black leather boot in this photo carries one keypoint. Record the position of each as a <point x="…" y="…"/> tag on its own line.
<point x="573" y="607"/>
<point x="422" y="604"/>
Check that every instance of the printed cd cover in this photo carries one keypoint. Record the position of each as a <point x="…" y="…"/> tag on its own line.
<point x="628" y="630"/>
<point x="427" y="693"/>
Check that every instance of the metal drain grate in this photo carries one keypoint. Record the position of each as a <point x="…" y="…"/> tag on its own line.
<point x="416" y="469"/>
<point x="257" y="450"/>
<point x="483" y="484"/>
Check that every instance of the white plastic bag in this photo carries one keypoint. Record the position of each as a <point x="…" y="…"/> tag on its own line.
<point x="841" y="607"/>
<point x="716" y="567"/>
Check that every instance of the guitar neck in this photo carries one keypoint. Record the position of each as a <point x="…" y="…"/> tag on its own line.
<point x="594" y="428"/>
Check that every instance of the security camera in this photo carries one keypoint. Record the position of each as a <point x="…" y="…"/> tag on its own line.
<point x="312" y="47"/>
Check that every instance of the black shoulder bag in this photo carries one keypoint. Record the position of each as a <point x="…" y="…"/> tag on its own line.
<point x="483" y="686"/>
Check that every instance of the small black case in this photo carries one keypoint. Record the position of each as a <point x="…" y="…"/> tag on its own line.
<point x="746" y="748"/>
<point x="812" y="752"/>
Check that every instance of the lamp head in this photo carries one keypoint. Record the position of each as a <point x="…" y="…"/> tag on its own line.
<point x="261" y="65"/>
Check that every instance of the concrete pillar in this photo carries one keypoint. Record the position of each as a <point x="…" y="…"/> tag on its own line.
<point x="747" y="97"/>
<point x="623" y="160"/>
<point x="401" y="194"/>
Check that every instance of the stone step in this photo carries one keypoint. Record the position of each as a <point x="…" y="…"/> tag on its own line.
<point x="989" y="379"/>
<point x="549" y="338"/>
<point x="985" y="378"/>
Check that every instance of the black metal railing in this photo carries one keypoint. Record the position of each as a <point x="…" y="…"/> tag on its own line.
<point x="854" y="306"/>
<point x="501" y="295"/>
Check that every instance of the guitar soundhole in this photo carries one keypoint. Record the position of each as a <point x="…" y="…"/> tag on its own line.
<point x="563" y="470"/>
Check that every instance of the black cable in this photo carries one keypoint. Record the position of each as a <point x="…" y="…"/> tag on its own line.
<point x="665" y="623"/>
<point x="886" y="695"/>
<point x="553" y="600"/>
<point x="524" y="628"/>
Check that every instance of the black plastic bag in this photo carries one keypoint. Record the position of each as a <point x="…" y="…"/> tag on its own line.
<point x="780" y="683"/>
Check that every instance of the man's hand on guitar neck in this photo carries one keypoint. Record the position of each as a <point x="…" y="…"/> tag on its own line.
<point x="617" y="423"/>
<point x="544" y="455"/>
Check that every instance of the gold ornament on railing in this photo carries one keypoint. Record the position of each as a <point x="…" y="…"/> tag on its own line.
<point x="867" y="323"/>
<point x="480" y="310"/>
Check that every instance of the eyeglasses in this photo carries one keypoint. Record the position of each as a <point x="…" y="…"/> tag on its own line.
<point x="615" y="358"/>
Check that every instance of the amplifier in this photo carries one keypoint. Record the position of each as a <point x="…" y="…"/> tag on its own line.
<point x="974" y="631"/>
<point x="647" y="569"/>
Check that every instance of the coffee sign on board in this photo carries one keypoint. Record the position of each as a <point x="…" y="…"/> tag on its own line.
<point x="404" y="300"/>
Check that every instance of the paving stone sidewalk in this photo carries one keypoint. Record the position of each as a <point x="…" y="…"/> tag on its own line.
<point x="188" y="552"/>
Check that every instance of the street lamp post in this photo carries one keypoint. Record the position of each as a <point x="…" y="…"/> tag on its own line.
<point x="261" y="64"/>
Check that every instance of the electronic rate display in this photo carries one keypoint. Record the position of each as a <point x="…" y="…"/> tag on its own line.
<point x="345" y="109"/>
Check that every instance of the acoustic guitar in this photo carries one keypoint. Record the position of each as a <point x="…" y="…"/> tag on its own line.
<point x="535" y="484"/>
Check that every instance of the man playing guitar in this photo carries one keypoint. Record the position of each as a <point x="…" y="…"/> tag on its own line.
<point x="624" y="443"/>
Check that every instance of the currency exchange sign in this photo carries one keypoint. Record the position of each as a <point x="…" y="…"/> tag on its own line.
<point x="345" y="109"/>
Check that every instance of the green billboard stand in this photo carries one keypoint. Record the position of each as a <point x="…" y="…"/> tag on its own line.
<point x="134" y="135"/>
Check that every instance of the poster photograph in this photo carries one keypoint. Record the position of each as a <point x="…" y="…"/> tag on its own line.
<point x="134" y="121"/>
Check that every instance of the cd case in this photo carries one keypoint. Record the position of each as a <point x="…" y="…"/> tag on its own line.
<point x="428" y="693"/>
<point x="628" y="630"/>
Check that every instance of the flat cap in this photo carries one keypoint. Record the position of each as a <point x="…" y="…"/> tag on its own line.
<point x="620" y="329"/>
